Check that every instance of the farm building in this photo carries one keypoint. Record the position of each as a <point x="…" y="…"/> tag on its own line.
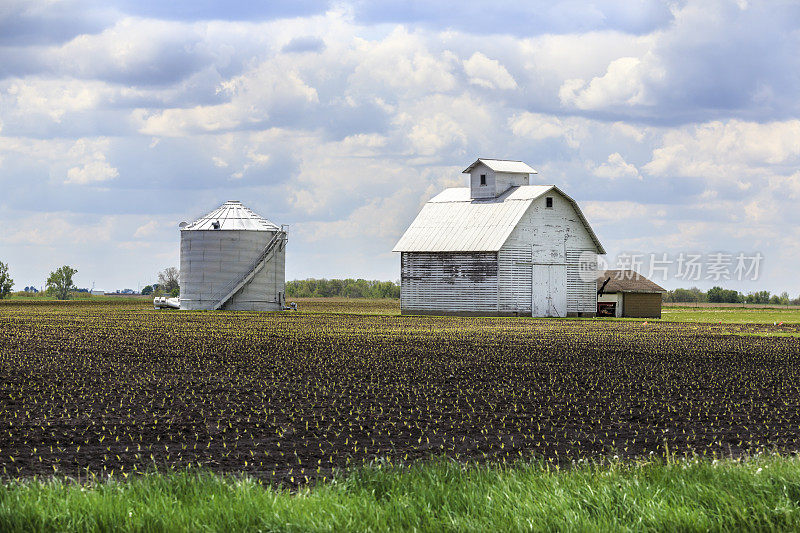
<point x="626" y="293"/>
<point x="232" y="259"/>
<point x="499" y="247"/>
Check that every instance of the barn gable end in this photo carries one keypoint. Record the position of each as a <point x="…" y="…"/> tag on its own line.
<point x="548" y="235"/>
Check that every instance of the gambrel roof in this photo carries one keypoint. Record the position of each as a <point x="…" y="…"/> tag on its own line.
<point x="502" y="165"/>
<point x="453" y="222"/>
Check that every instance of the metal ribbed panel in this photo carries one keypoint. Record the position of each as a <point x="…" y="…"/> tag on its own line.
<point x="213" y="259"/>
<point x="453" y="222"/>
<point x="232" y="215"/>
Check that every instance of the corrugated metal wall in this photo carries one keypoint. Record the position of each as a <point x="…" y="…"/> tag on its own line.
<point x="449" y="282"/>
<point x="515" y="279"/>
<point x="581" y="295"/>
<point x="211" y="260"/>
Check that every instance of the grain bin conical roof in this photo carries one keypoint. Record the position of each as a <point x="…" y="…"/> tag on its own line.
<point x="231" y="215"/>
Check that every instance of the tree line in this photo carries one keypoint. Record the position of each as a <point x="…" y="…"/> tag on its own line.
<point x="343" y="288"/>
<point x="720" y="295"/>
<point x="60" y="283"/>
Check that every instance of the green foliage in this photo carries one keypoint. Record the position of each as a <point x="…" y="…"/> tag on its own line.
<point x="174" y="293"/>
<point x="686" y="295"/>
<point x="345" y="288"/>
<point x="730" y="315"/>
<point x="148" y="289"/>
<point x="720" y="295"/>
<point x="761" y="297"/>
<point x="169" y="280"/>
<point x="60" y="283"/>
<point x="758" y="494"/>
<point x="5" y="281"/>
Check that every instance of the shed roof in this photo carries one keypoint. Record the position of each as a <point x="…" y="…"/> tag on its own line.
<point x="502" y="165"/>
<point x="231" y="215"/>
<point x="453" y="222"/>
<point x="626" y="281"/>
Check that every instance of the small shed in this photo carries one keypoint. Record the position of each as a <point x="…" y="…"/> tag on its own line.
<point x="500" y="246"/>
<point x="626" y="293"/>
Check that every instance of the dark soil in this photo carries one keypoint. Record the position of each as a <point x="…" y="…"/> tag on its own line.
<point x="91" y="390"/>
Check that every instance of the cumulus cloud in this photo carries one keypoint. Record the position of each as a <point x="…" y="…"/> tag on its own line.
<point x="538" y="126"/>
<point x="92" y="166"/>
<point x="624" y="83"/>
<point x="346" y="117"/>
<point x="488" y="72"/>
<point x="731" y="149"/>
<point x="252" y="97"/>
<point x="616" y="167"/>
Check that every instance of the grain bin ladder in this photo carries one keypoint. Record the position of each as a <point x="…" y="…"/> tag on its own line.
<point x="230" y="291"/>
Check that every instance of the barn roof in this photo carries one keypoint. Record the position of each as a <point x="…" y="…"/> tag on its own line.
<point x="502" y="165"/>
<point x="626" y="281"/>
<point x="453" y="222"/>
<point x="231" y="215"/>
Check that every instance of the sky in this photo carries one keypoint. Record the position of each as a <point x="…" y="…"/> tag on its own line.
<point x="675" y="125"/>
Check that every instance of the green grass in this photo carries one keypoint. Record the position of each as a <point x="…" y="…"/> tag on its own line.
<point x="760" y="493"/>
<point x="731" y="315"/>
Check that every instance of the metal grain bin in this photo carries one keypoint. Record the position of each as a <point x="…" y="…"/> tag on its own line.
<point x="232" y="259"/>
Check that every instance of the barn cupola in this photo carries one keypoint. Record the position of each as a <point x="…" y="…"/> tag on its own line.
<point x="489" y="178"/>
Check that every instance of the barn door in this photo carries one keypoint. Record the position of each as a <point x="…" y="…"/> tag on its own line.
<point x="549" y="290"/>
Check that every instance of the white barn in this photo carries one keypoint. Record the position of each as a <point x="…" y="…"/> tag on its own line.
<point x="500" y="247"/>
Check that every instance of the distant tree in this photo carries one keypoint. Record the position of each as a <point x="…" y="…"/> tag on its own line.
<point x="720" y="295"/>
<point x="784" y="298"/>
<point x="175" y="292"/>
<point x="347" y="288"/>
<point x="5" y="281"/>
<point x="686" y="295"/>
<point x="60" y="282"/>
<point x="148" y="289"/>
<point x="169" y="279"/>
<point x="761" y="297"/>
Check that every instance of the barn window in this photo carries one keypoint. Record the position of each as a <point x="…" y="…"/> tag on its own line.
<point x="483" y="180"/>
<point x="548" y="202"/>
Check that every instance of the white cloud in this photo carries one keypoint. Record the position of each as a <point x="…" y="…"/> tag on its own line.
<point x="623" y="84"/>
<point x="146" y="230"/>
<point x="616" y="167"/>
<point x="252" y="97"/>
<point x="604" y="212"/>
<point x="353" y="125"/>
<point x="538" y="126"/>
<point x="730" y="150"/>
<point x="488" y="73"/>
<point x="92" y="166"/>
<point x="400" y="65"/>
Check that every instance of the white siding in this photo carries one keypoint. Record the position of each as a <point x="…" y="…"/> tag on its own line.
<point x="581" y="290"/>
<point x="496" y="182"/>
<point x="448" y="282"/>
<point x="478" y="190"/>
<point x="551" y="236"/>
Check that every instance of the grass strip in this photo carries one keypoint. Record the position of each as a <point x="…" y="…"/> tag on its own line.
<point x="760" y="493"/>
